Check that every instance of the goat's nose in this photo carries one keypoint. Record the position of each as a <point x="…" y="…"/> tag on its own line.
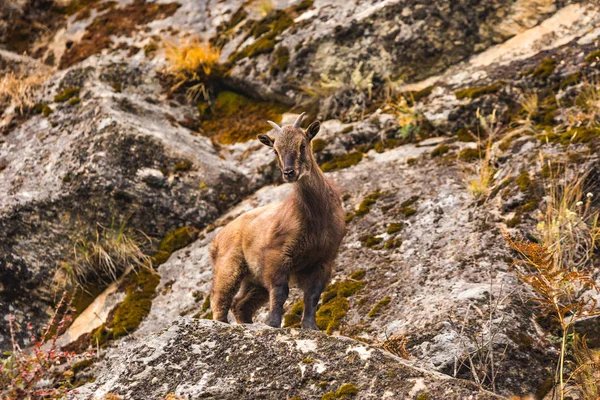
<point x="288" y="172"/>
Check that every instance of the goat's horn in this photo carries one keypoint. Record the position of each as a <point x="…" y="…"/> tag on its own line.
<point x="299" y="120"/>
<point x="275" y="126"/>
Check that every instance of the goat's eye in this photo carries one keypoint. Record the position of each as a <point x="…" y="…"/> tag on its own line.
<point x="302" y="146"/>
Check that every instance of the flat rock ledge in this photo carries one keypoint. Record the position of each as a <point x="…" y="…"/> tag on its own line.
<point x="206" y="359"/>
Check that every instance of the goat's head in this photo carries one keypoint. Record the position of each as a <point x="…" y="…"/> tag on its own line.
<point x="292" y="146"/>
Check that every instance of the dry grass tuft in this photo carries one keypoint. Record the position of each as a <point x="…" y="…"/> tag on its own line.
<point x="395" y="345"/>
<point x="480" y="185"/>
<point x="586" y="373"/>
<point x="191" y="63"/>
<point x="20" y="91"/>
<point x="530" y="104"/>
<point x="105" y="257"/>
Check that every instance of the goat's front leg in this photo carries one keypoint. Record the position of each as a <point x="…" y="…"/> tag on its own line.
<point x="277" y="278"/>
<point x="313" y="284"/>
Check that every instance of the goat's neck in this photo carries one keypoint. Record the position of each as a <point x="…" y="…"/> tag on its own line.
<point x="313" y="196"/>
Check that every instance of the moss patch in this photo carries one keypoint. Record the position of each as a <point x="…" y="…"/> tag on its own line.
<point x="265" y="31"/>
<point x="593" y="56"/>
<point x="377" y="307"/>
<point x="358" y="275"/>
<point x="282" y="60"/>
<point x="392" y="243"/>
<point x="74" y="101"/>
<point x="573" y="135"/>
<point x="183" y="166"/>
<point x="293" y="318"/>
<point x="370" y="240"/>
<point x="571" y="79"/>
<point x="365" y="206"/>
<point x="139" y="291"/>
<point x="44" y="109"/>
<point x="395" y="227"/>
<point x="335" y="304"/>
<point x="469" y="155"/>
<point x="473" y="93"/>
<point x="235" y="118"/>
<point x="440" y="150"/>
<point x="413" y="97"/>
<point x="174" y="240"/>
<point x="118" y="22"/>
<point x="343" y="161"/>
<point x="318" y="145"/>
<point x="346" y="391"/>
<point x="545" y="69"/>
<point x="66" y="94"/>
<point x="81" y="365"/>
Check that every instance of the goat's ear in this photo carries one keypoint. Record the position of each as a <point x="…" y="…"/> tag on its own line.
<point x="313" y="129"/>
<point x="266" y="140"/>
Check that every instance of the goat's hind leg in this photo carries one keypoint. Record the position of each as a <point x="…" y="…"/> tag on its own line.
<point x="249" y="300"/>
<point x="312" y="283"/>
<point x="228" y="275"/>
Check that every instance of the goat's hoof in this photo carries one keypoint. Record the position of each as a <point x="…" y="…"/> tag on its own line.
<point x="312" y="327"/>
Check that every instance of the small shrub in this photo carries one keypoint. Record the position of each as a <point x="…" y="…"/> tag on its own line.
<point x="34" y="373"/>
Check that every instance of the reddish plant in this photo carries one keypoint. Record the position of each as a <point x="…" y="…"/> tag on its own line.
<point x="34" y="373"/>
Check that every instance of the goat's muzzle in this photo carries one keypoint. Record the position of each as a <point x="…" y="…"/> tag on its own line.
<point x="289" y="174"/>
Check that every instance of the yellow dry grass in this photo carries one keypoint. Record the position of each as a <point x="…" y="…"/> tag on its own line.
<point x="20" y="91"/>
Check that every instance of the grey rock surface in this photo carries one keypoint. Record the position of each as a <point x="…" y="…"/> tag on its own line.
<point x="206" y="359"/>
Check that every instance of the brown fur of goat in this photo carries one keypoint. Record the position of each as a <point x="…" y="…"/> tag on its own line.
<point x="262" y="251"/>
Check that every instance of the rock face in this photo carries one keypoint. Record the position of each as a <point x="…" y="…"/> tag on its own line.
<point x="109" y="157"/>
<point x="443" y="123"/>
<point x="206" y="359"/>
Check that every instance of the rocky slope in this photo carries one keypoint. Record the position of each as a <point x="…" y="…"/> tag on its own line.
<point x="416" y="97"/>
<point x="205" y="359"/>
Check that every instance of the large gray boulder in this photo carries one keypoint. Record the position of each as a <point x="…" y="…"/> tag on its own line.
<point x="212" y="360"/>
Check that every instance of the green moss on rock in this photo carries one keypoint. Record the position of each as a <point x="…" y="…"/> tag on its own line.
<point x="81" y="365"/>
<point x="235" y="118"/>
<point x="545" y="69"/>
<point x="395" y="227"/>
<point x="440" y="150"/>
<point x="184" y="165"/>
<point x="74" y="101"/>
<point x="469" y="155"/>
<point x="335" y="304"/>
<point x="265" y="30"/>
<point x="174" y="240"/>
<point x="139" y="291"/>
<point x="378" y="306"/>
<point x="473" y="93"/>
<point x="464" y="135"/>
<point x="343" y="161"/>
<point x="346" y="391"/>
<point x="571" y="79"/>
<point x="318" y="145"/>
<point x="42" y="108"/>
<point x="365" y="206"/>
<point x="370" y="241"/>
<point x="293" y="318"/>
<point x="593" y="56"/>
<point x="66" y="94"/>
<point x="282" y="60"/>
<point x="358" y="275"/>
